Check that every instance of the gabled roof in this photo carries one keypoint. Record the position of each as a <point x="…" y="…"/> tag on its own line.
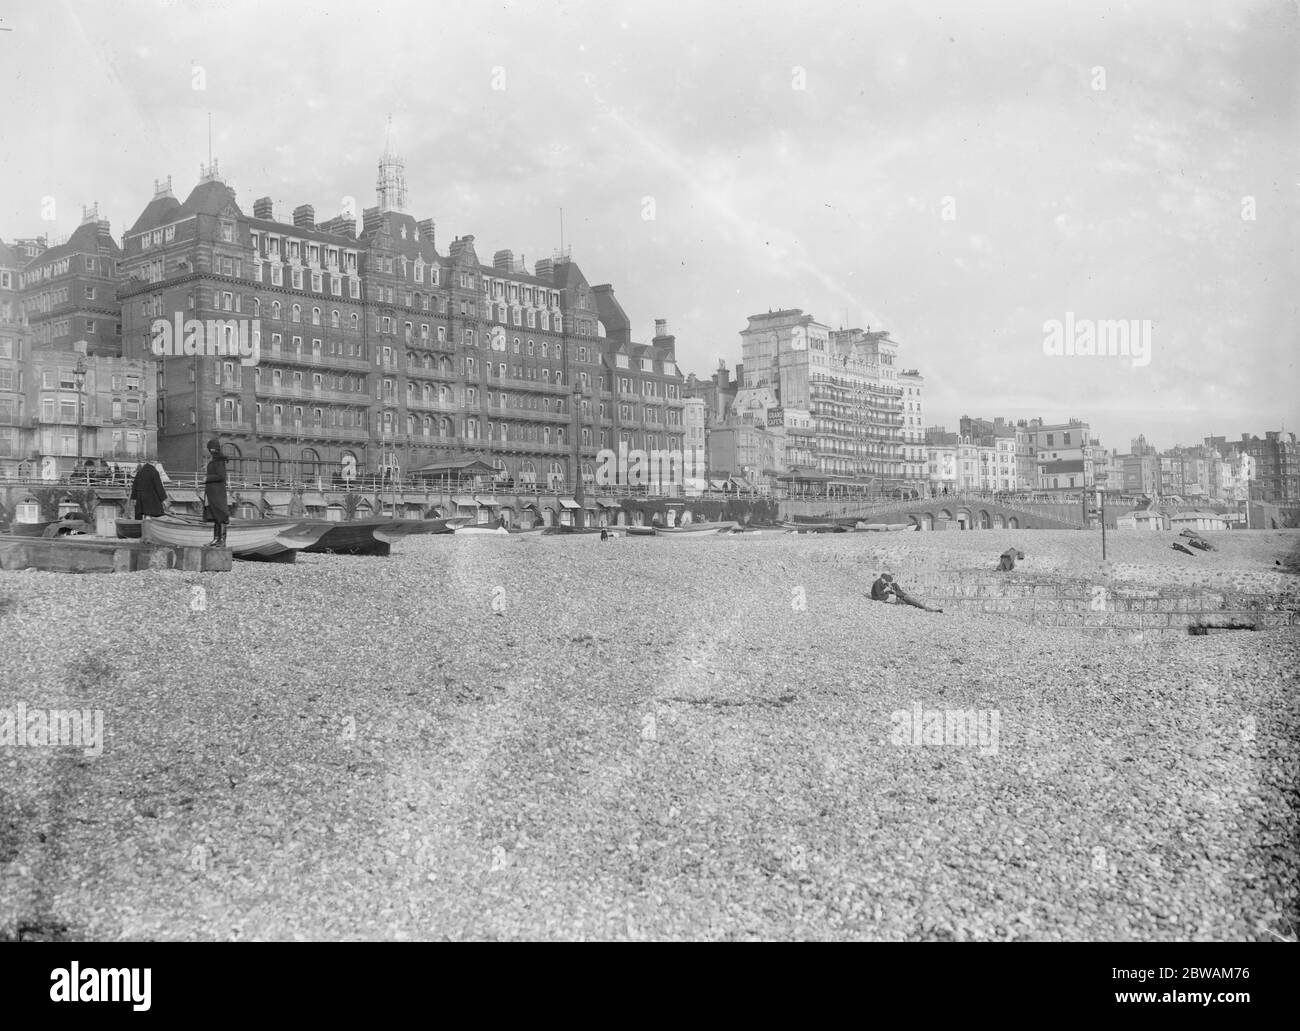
<point x="158" y="212"/>
<point x="209" y="198"/>
<point x="85" y="240"/>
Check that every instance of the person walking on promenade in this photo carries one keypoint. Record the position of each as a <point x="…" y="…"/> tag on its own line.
<point x="147" y="491"/>
<point x="214" y="494"/>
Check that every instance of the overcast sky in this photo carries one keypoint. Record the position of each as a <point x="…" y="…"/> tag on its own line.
<point x="958" y="173"/>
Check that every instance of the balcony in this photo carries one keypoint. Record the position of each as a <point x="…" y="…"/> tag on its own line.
<point x="289" y="356"/>
<point x="360" y="435"/>
<point x="309" y="395"/>
<point x="535" y="385"/>
<point x="445" y="407"/>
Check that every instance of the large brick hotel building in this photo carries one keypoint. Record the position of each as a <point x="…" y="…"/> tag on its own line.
<point x="377" y="349"/>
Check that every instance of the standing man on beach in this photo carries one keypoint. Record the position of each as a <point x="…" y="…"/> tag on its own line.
<point x="214" y="493"/>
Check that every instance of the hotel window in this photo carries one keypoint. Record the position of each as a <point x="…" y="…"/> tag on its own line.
<point x="277" y="275"/>
<point x="228" y="231"/>
<point x="559" y="323"/>
<point x="295" y="313"/>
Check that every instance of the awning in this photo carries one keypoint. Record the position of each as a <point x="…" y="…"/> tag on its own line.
<point x="465" y="502"/>
<point x="277" y="498"/>
<point x="314" y="499"/>
<point x="487" y="501"/>
<point x="569" y="503"/>
<point x="183" y="494"/>
<point x="735" y="482"/>
<point x="718" y="484"/>
<point x="606" y="503"/>
<point x="467" y="466"/>
<point x="110" y="493"/>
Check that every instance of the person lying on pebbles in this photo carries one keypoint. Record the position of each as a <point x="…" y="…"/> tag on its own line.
<point x="1008" y="560"/>
<point x="885" y="586"/>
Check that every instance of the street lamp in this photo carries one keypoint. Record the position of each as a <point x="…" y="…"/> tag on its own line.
<point x="79" y="377"/>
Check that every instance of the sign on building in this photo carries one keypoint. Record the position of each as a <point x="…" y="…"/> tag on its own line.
<point x="776" y="416"/>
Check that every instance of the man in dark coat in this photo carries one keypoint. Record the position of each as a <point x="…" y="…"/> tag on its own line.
<point x="214" y="493"/>
<point x="885" y="585"/>
<point x="1008" y="560"/>
<point x="147" y="491"/>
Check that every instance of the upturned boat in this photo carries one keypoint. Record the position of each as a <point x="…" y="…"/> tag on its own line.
<point x="278" y="539"/>
<point x="359" y="536"/>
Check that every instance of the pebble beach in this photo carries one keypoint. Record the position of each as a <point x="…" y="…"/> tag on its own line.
<point x="717" y="738"/>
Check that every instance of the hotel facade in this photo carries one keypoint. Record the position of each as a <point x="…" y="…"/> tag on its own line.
<point x="378" y="353"/>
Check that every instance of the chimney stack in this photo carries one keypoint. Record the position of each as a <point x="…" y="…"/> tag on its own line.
<point x="264" y="209"/>
<point x="545" y="270"/>
<point x="503" y="261"/>
<point x="304" y="216"/>
<point x="426" y="228"/>
<point x="340" y="225"/>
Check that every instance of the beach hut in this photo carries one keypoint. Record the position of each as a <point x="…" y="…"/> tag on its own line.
<point x="1143" y="519"/>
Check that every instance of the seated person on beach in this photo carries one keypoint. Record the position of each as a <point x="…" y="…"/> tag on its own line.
<point x="1008" y="560"/>
<point x="885" y="586"/>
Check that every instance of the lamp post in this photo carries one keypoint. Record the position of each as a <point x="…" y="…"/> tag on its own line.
<point x="79" y="377"/>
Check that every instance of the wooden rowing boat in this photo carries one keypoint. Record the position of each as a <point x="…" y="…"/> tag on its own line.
<point x="30" y="529"/>
<point x="694" y="529"/>
<point x="480" y="530"/>
<point x="440" y="525"/>
<point x="277" y="539"/>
